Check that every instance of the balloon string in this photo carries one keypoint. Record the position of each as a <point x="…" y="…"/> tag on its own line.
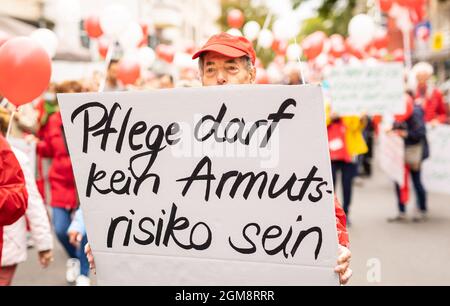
<point x="267" y="20"/>
<point x="265" y="26"/>
<point x="301" y="63"/>
<point x="108" y="59"/>
<point x="10" y="123"/>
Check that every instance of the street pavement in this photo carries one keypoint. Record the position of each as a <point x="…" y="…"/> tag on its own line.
<point x="382" y="253"/>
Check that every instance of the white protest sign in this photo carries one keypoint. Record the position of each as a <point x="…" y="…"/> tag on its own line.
<point x="372" y="89"/>
<point x="391" y="156"/>
<point x="159" y="212"/>
<point x="26" y="147"/>
<point x="436" y="168"/>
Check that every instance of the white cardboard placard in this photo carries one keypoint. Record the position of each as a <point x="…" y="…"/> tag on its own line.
<point x="177" y="239"/>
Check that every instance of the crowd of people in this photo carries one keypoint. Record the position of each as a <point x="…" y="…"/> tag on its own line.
<point x="351" y="142"/>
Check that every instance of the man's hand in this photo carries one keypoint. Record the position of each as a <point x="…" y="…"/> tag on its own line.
<point x="402" y="133"/>
<point x="434" y="123"/>
<point x="334" y="116"/>
<point x="343" y="265"/>
<point x="30" y="138"/>
<point x="45" y="258"/>
<point x="90" y="257"/>
<point x="75" y="238"/>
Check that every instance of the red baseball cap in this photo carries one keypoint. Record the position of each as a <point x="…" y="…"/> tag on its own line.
<point x="228" y="45"/>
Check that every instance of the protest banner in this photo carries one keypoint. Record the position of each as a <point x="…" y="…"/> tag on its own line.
<point x="391" y="156"/>
<point x="436" y="168"/>
<point x="173" y="193"/>
<point x="372" y="89"/>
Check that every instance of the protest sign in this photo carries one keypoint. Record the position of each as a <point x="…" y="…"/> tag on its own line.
<point x="226" y="185"/>
<point x="436" y="169"/>
<point x="372" y="89"/>
<point x="391" y="156"/>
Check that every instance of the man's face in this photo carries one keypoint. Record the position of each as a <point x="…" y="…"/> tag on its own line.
<point x="223" y="70"/>
<point x="113" y="71"/>
<point x="166" y="82"/>
<point x="422" y="78"/>
<point x="294" y="77"/>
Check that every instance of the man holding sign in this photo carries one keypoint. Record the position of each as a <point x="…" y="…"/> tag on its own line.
<point x="228" y="60"/>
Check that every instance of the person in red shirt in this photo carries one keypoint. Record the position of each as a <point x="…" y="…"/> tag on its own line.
<point x="429" y="97"/>
<point x="227" y="59"/>
<point x="64" y="199"/>
<point x="13" y="194"/>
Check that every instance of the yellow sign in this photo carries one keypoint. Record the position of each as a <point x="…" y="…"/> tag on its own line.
<point x="438" y="41"/>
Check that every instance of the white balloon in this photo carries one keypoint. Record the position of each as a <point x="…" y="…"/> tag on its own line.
<point x="285" y="28"/>
<point x="321" y="60"/>
<point x="265" y="38"/>
<point x="131" y="36"/>
<point x="47" y="39"/>
<point x="234" y="32"/>
<point x="251" y="30"/>
<point x="114" y="20"/>
<point x="293" y="52"/>
<point x="274" y="73"/>
<point x="361" y="30"/>
<point x="146" y="57"/>
<point x="184" y="60"/>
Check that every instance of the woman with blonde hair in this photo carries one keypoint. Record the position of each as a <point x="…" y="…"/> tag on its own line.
<point x="428" y="96"/>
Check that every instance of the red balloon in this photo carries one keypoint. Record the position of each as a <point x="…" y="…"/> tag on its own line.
<point x="380" y="40"/>
<point x="144" y="41"/>
<point x="144" y="28"/>
<point x="4" y="37"/>
<point x="25" y="70"/>
<point x="92" y="27"/>
<point x="349" y="46"/>
<point x="235" y="18"/>
<point x="189" y="48"/>
<point x="337" y="45"/>
<point x="103" y="45"/>
<point x="418" y="11"/>
<point x="128" y="71"/>
<point x="261" y="76"/>
<point x="165" y="52"/>
<point x="409" y="3"/>
<point x="385" y="5"/>
<point x="313" y="44"/>
<point x="279" y="47"/>
<point x="398" y="55"/>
